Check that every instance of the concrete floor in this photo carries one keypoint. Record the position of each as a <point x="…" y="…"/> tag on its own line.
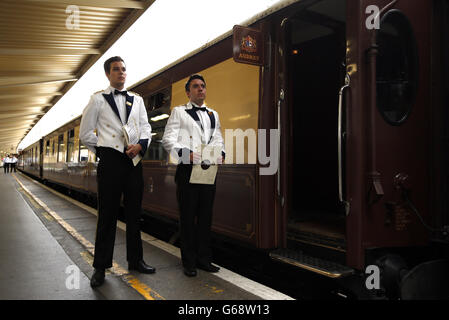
<point x="43" y="234"/>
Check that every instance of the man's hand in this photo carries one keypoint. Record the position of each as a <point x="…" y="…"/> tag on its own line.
<point x="220" y="160"/>
<point x="133" y="150"/>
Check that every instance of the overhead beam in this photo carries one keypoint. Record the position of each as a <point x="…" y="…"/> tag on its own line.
<point x="22" y="105"/>
<point x="8" y="137"/>
<point x="14" y="134"/>
<point x="16" y="119"/>
<point x="46" y="52"/>
<point x="20" y="96"/>
<point x="27" y="81"/>
<point x="11" y="139"/>
<point x="127" y="4"/>
<point x="7" y="149"/>
<point x="13" y="125"/>
<point x="29" y="73"/>
<point x="26" y="126"/>
<point x="23" y="114"/>
<point x="10" y="150"/>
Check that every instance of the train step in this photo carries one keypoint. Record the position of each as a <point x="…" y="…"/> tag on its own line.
<point x="299" y="259"/>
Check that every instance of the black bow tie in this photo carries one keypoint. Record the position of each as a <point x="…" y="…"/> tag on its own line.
<point x="198" y="108"/>
<point x="121" y="92"/>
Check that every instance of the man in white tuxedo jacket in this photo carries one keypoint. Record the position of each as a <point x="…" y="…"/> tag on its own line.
<point x="107" y="112"/>
<point x="189" y="127"/>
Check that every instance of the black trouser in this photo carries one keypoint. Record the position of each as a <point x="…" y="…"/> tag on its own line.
<point x="5" y="167"/>
<point x="116" y="174"/>
<point x="194" y="201"/>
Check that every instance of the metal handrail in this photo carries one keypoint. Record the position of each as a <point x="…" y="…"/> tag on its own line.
<point x="340" y="165"/>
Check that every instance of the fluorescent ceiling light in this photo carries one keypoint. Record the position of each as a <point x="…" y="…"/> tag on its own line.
<point x="160" y="117"/>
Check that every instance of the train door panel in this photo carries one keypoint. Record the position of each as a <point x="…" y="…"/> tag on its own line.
<point x="395" y="92"/>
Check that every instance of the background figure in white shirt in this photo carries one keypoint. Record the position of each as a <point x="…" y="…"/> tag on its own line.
<point x="13" y="163"/>
<point x="6" y="163"/>
<point x="107" y="112"/>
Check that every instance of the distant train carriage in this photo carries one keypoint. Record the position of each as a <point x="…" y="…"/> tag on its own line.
<point x="60" y="158"/>
<point x="358" y="104"/>
<point x="30" y="159"/>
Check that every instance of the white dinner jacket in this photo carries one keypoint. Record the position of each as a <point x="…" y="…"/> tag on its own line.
<point x="183" y="131"/>
<point x="101" y="114"/>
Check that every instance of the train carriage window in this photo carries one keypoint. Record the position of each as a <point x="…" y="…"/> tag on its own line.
<point x="158" y="110"/>
<point x="47" y="148"/>
<point x="83" y="153"/>
<point x="60" y="156"/>
<point x="397" y="67"/>
<point x="71" y="145"/>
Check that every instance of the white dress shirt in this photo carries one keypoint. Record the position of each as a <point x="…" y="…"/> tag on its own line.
<point x="205" y="122"/>
<point x="120" y="101"/>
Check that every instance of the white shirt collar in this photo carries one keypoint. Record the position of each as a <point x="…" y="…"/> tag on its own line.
<point x="194" y="104"/>
<point x="112" y="89"/>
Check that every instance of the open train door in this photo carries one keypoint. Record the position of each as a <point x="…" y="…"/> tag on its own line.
<point x="311" y="69"/>
<point x="388" y="110"/>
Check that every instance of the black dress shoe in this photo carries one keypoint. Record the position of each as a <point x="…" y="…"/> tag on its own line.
<point x="97" y="278"/>
<point x="208" y="267"/>
<point x="190" y="272"/>
<point x="142" y="267"/>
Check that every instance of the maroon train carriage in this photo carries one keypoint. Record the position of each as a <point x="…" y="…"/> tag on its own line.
<point x="362" y="173"/>
<point x="61" y="159"/>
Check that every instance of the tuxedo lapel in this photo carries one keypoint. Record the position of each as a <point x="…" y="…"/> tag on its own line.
<point x="129" y="106"/>
<point x="212" y="123"/>
<point x="195" y="117"/>
<point x="110" y="99"/>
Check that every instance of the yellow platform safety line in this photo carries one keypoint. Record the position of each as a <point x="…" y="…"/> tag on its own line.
<point x="132" y="281"/>
<point x="36" y="205"/>
<point x="214" y="289"/>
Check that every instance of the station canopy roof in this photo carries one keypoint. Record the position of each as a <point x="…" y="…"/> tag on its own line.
<point x="45" y="47"/>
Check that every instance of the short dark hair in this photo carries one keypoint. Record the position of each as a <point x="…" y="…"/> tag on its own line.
<point x="193" y="77"/>
<point x="107" y="63"/>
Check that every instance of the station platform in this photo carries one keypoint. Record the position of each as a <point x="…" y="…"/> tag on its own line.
<point x="46" y="253"/>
